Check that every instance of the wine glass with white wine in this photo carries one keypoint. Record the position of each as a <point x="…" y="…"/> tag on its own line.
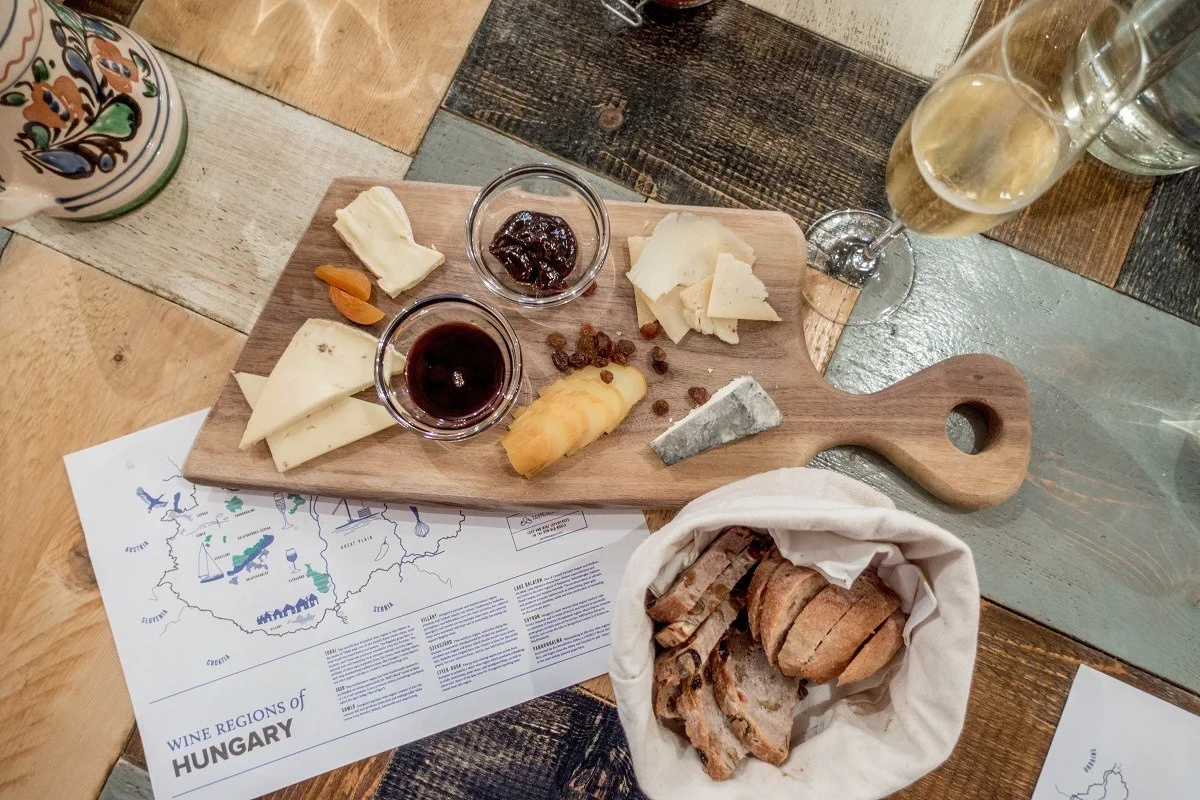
<point x="988" y="138"/>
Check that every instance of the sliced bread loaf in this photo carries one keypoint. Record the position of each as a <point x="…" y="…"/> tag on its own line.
<point x="837" y="649"/>
<point x="673" y="667"/>
<point x="878" y="650"/>
<point x="788" y="591"/>
<point x="740" y="564"/>
<point x="708" y="729"/>
<point x="695" y="580"/>
<point x="757" y="699"/>
<point x="815" y="621"/>
<point x="758" y="584"/>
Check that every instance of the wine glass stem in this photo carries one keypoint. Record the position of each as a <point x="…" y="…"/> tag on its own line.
<point x="881" y="241"/>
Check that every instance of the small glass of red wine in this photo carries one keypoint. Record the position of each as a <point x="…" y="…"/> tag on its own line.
<point x="462" y="371"/>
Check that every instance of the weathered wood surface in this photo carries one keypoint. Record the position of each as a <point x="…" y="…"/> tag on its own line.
<point x="901" y="33"/>
<point x="725" y="105"/>
<point x="377" y="67"/>
<point x="1087" y="220"/>
<point x="1163" y="268"/>
<point x="92" y="358"/>
<point x="1102" y="541"/>
<point x="218" y="236"/>
<point x="120" y="10"/>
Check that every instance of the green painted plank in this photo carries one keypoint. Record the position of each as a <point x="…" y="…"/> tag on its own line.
<point x="1102" y="541"/>
<point x="455" y="150"/>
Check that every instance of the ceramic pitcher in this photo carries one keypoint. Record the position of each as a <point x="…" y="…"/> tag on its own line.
<point x="91" y="123"/>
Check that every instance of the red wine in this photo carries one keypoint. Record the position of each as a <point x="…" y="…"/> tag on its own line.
<point x="454" y="371"/>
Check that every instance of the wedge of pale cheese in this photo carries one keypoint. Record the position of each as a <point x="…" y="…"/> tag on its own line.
<point x="340" y="424"/>
<point x="668" y="310"/>
<point x="376" y="227"/>
<point x="695" y="313"/>
<point x="683" y="251"/>
<point x="644" y="314"/>
<point x="737" y="293"/>
<point x="325" y="362"/>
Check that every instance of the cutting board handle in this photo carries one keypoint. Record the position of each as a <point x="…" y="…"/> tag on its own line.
<point x="906" y="423"/>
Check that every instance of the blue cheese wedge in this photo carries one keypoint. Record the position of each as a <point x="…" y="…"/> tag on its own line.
<point x="376" y="227"/>
<point x="741" y="408"/>
<point x="342" y="423"/>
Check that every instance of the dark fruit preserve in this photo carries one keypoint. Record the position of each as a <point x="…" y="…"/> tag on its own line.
<point x="454" y="371"/>
<point x="537" y="249"/>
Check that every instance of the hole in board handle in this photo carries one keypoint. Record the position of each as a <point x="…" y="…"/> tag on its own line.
<point x="970" y="427"/>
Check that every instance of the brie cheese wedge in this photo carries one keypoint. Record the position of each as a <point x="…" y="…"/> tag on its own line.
<point x="695" y="313"/>
<point x="683" y="251"/>
<point x="737" y="293"/>
<point x="376" y="227"/>
<point x="338" y="425"/>
<point x="325" y="362"/>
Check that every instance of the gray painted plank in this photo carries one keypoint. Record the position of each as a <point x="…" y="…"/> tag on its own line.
<point x="458" y="151"/>
<point x="1102" y="541"/>
<point x="127" y="782"/>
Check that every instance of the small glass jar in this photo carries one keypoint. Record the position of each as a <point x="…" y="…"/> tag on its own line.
<point x="548" y="189"/>
<point x="631" y="10"/>
<point x="417" y="319"/>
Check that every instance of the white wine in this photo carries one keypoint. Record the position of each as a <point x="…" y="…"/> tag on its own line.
<point x="973" y="154"/>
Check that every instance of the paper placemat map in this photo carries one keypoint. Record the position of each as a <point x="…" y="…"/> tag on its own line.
<point x="255" y="627"/>
<point x="1115" y="742"/>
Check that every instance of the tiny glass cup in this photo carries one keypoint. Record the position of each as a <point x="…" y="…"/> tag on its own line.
<point x="548" y="189"/>
<point x="417" y="319"/>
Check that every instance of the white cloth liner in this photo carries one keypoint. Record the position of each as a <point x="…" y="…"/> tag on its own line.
<point x="851" y="743"/>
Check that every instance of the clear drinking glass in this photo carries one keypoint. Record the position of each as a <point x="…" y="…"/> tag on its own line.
<point x="990" y="136"/>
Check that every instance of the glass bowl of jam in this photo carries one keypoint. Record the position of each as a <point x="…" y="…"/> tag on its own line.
<point x="538" y="235"/>
<point x="463" y="367"/>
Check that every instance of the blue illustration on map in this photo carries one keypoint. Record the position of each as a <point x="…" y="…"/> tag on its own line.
<point x="283" y="562"/>
<point x="1111" y="786"/>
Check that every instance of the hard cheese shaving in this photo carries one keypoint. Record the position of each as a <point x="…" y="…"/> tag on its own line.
<point x="340" y="424"/>
<point x="376" y="227"/>
<point x="682" y="251"/>
<point x="737" y="293"/>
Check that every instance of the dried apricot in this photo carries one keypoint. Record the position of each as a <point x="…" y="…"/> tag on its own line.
<point x="353" y="308"/>
<point x="348" y="279"/>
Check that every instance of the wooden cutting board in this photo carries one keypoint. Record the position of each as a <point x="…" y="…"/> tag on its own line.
<point x="906" y="422"/>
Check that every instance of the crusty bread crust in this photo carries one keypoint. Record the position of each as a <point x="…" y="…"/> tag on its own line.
<point x="757" y="699"/>
<point x="815" y="621"/>
<point x="837" y="649"/>
<point x="758" y="584"/>
<point x="788" y="592"/>
<point x="708" y="730"/>
<point x="695" y="580"/>
<point x="878" y="650"/>
<point x="673" y="667"/>
<point x="741" y="563"/>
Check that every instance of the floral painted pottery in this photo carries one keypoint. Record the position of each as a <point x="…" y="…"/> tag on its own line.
<point x="91" y="123"/>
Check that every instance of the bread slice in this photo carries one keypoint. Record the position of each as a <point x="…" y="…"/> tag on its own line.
<point x="758" y="700"/>
<point x="788" y="591"/>
<point x="695" y="580"/>
<point x="837" y="649"/>
<point x="816" y="620"/>
<point x="708" y="729"/>
<point x="674" y="666"/>
<point x="740" y="564"/>
<point x="758" y="583"/>
<point x="878" y="650"/>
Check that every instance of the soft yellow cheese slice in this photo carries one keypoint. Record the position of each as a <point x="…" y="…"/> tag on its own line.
<point x="737" y="293"/>
<point x="644" y="314"/>
<point x="376" y="227"/>
<point x="325" y="362"/>
<point x="682" y="251"/>
<point x="338" y="425"/>
<point x="695" y="305"/>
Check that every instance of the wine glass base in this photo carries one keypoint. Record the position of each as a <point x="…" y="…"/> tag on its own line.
<point x="836" y="243"/>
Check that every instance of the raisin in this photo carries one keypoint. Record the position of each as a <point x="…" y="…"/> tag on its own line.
<point x="661" y="407"/>
<point x="586" y="344"/>
<point x="603" y="344"/>
<point x="578" y="360"/>
<point x="658" y="354"/>
<point x="586" y="329"/>
<point x="620" y="358"/>
<point x="561" y="361"/>
<point x="606" y="376"/>
<point x="590" y="290"/>
<point x="699" y="395"/>
<point x="659" y="366"/>
<point x="556" y="340"/>
<point x="599" y="362"/>
<point x="650" y="330"/>
<point x="627" y="347"/>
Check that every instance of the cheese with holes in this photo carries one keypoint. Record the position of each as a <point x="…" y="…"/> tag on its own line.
<point x="376" y="227"/>
<point x="340" y="424"/>
<point x="682" y="251"/>
<point x="738" y="409"/>
<point x="695" y="313"/>
<point x="325" y="362"/>
<point x="737" y="293"/>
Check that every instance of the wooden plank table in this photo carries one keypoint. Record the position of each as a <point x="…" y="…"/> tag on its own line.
<point x="775" y="103"/>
